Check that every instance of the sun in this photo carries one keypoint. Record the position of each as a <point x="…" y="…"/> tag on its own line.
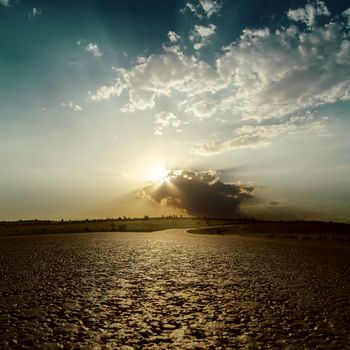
<point x="158" y="173"/>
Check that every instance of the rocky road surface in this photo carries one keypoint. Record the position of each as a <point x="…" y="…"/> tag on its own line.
<point x="172" y="290"/>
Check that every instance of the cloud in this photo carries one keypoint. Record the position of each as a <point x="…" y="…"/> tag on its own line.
<point x="200" y="194"/>
<point x="276" y="212"/>
<point x="263" y="135"/>
<point x="203" y="8"/>
<point x="75" y="107"/>
<point x="210" y="7"/>
<point x="201" y="108"/>
<point x="274" y="203"/>
<point x="200" y="35"/>
<point x="36" y="12"/>
<point x="309" y="13"/>
<point x="273" y="74"/>
<point x="173" y="37"/>
<point x="346" y="14"/>
<point x="141" y="59"/>
<point x="107" y="91"/>
<point x="5" y="3"/>
<point x="168" y="74"/>
<point x="262" y="79"/>
<point x="262" y="75"/>
<point x="166" y="120"/>
<point x="93" y="49"/>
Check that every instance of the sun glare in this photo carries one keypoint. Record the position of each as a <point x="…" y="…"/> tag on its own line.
<point x="158" y="174"/>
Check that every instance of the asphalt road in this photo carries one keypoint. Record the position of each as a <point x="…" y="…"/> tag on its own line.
<point x="172" y="290"/>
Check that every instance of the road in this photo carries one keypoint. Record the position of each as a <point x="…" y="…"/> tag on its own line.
<point x="172" y="290"/>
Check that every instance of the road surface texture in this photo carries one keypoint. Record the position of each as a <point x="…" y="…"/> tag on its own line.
<point x="172" y="290"/>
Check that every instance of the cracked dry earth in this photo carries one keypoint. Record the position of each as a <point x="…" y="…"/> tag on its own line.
<point x="172" y="290"/>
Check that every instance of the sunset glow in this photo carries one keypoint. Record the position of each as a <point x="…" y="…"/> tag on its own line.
<point x="158" y="174"/>
<point x="122" y="91"/>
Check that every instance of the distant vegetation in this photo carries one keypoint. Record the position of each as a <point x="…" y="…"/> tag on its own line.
<point x="269" y="229"/>
<point x="120" y="224"/>
<point x="315" y="230"/>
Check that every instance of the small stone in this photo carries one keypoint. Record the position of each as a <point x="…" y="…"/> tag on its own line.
<point x="168" y="326"/>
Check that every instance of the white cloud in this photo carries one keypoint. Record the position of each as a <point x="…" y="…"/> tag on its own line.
<point x="264" y="75"/>
<point x="168" y="74"/>
<point x="263" y="135"/>
<point x="273" y="74"/>
<point x="173" y="37"/>
<point x="107" y="91"/>
<point x="166" y="120"/>
<point x="36" y="12"/>
<point x="93" y="49"/>
<point x="192" y="8"/>
<point x="202" y="107"/>
<point x="309" y="13"/>
<point x="5" y="3"/>
<point x="75" y="107"/>
<point x="200" y="35"/>
<point x="141" y="59"/>
<point x="210" y="7"/>
<point x="346" y="14"/>
<point x="203" y="8"/>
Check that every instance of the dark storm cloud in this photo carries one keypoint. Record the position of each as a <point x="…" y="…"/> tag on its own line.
<point x="200" y="194"/>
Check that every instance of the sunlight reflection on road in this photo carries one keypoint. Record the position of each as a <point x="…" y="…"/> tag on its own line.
<point x="172" y="290"/>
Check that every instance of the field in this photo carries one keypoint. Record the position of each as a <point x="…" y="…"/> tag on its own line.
<point x="315" y="230"/>
<point x="30" y="227"/>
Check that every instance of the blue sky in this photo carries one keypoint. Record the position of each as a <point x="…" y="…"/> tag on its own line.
<point x="98" y="98"/>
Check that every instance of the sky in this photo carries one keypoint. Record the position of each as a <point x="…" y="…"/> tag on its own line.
<point x="191" y="107"/>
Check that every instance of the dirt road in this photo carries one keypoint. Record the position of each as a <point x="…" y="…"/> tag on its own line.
<point x="172" y="289"/>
